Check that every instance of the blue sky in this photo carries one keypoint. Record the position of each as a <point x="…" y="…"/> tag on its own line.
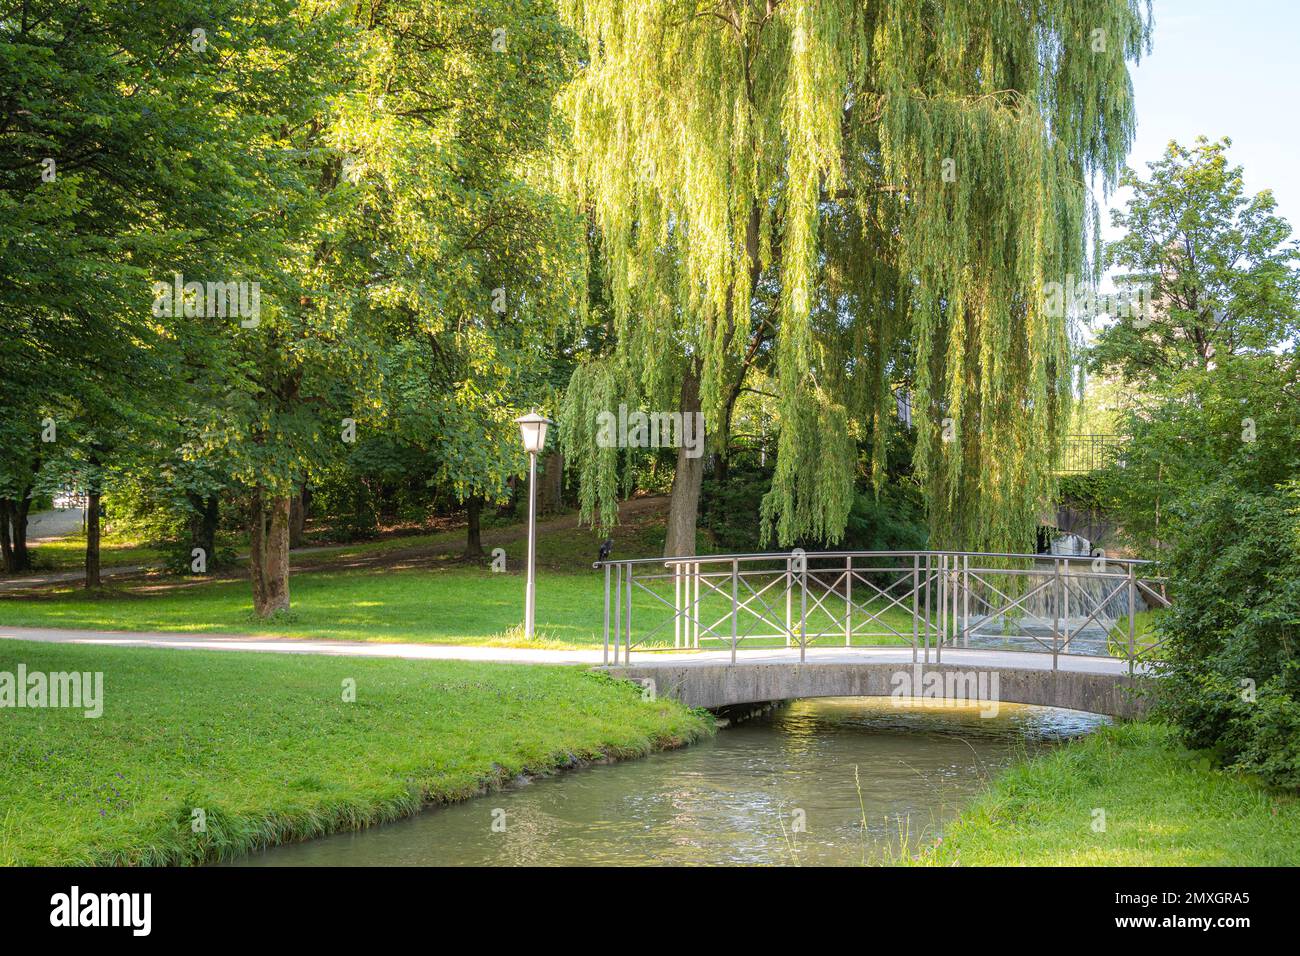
<point x="1224" y="67"/>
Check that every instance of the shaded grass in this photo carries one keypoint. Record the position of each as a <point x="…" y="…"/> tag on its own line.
<point x="1164" y="806"/>
<point x="266" y="747"/>
<point x="564" y="548"/>
<point x="115" y="551"/>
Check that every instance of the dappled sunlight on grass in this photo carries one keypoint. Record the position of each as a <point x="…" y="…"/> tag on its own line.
<point x="451" y="604"/>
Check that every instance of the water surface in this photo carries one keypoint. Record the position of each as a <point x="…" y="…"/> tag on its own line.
<point x="833" y="781"/>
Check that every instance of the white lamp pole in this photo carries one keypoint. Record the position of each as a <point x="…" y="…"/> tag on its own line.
<point x="532" y="428"/>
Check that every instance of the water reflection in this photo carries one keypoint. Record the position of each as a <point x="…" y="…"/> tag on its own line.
<point x="864" y="777"/>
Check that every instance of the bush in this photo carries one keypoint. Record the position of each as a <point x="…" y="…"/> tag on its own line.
<point x="178" y="557"/>
<point x="729" y="507"/>
<point x="729" y="511"/>
<point x="893" y="522"/>
<point x="1232" y="663"/>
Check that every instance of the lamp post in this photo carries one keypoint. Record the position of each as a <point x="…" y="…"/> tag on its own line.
<point x="532" y="428"/>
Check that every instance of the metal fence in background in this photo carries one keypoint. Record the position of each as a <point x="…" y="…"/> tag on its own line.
<point x="1084" y="453"/>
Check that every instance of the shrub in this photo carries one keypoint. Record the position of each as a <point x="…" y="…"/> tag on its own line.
<point x="1232" y="663"/>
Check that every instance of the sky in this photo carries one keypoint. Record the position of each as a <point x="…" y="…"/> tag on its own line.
<point x="1223" y="68"/>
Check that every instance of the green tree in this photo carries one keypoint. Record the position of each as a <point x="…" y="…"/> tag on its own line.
<point x="473" y="259"/>
<point x="1238" y="423"/>
<point x="114" y="167"/>
<point x="1218" y="264"/>
<point x="893" y="179"/>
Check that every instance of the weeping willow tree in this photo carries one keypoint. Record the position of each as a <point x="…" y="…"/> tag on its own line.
<point x="902" y="178"/>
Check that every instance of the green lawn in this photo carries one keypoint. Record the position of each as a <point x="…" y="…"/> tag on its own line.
<point x="442" y="605"/>
<point x="115" y="551"/>
<point x="1163" y="806"/>
<point x="566" y="548"/>
<point x="267" y="749"/>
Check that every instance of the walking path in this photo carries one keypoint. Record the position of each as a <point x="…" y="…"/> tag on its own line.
<point x="52" y="525"/>
<point x="532" y="655"/>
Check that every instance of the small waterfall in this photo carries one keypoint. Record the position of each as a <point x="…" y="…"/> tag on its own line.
<point x="1090" y="601"/>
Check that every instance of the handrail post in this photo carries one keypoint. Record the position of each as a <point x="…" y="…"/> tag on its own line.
<point x="803" y="608"/>
<point x="955" y="575"/>
<point x="606" y="658"/>
<point x="1065" y="606"/>
<point x="789" y="594"/>
<point x="735" y="594"/>
<point x="965" y="601"/>
<point x="618" y="607"/>
<point x="677" y="606"/>
<point x="1132" y="616"/>
<point x="848" y="601"/>
<point x="627" y="644"/>
<point x="943" y="609"/>
<point x="916" y="602"/>
<point x="929" y="560"/>
<point x="1056" y="610"/>
<point x="697" y="605"/>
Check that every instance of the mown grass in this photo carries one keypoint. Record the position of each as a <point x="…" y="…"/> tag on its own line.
<point x="115" y="551"/>
<point x="448" y="604"/>
<point x="1163" y="806"/>
<point x="560" y="545"/>
<point x="267" y="749"/>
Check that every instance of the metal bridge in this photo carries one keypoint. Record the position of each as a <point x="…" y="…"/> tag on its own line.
<point x="1034" y="615"/>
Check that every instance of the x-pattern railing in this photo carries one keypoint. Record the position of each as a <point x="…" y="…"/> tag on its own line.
<point x="928" y="599"/>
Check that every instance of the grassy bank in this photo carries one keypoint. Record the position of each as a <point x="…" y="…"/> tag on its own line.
<point x="266" y="747"/>
<point x="441" y="605"/>
<point x="1163" y="806"/>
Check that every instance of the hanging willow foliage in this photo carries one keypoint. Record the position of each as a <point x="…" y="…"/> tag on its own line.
<point x="909" y="173"/>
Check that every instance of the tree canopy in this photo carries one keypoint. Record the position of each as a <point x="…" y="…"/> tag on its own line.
<point x="901" y="180"/>
<point x="1219" y="265"/>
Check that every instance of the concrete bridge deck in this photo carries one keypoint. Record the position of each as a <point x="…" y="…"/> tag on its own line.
<point x="1100" y="685"/>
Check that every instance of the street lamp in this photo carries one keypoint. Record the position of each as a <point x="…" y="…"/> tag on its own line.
<point x="532" y="428"/>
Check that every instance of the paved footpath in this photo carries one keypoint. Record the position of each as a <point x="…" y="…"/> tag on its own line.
<point x="530" y="655"/>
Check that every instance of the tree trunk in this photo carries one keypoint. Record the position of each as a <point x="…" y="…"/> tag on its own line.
<point x="6" y="547"/>
<point x="684" y="505"/>
<point x="268" y="560"/>
<point x="474" y="540"/>
<point x="205" y="517"/>
<point x="22" y="560"/>
<point x="550" y="492"/>
<point x="92" y="534"/>
<point x="297" y="517"/>
<point x="94" y="491"/>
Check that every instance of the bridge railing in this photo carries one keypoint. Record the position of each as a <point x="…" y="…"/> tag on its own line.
<point x="928" y="600"/>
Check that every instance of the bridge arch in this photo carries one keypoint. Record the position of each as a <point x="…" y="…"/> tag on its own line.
<point x="714" y="685"/>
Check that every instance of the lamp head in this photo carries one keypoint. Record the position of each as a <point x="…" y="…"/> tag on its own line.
<point x="532" y="429"/>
